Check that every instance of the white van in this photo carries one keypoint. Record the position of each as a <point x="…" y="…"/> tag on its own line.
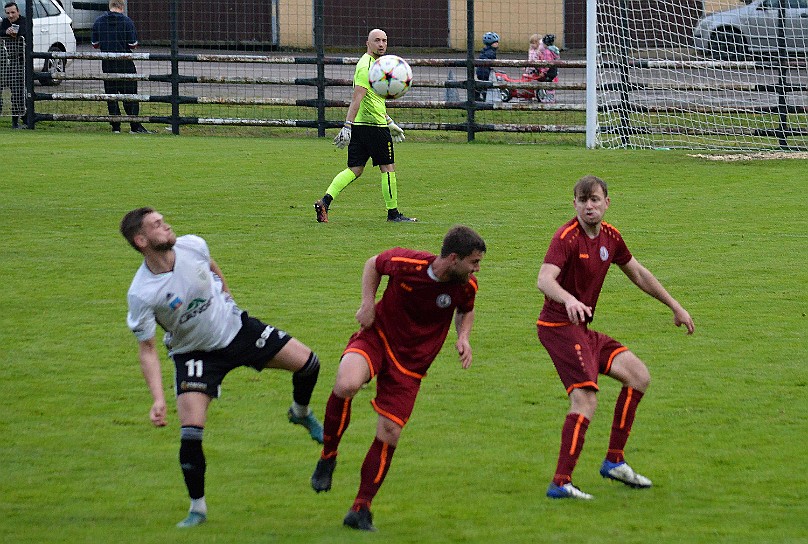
<point x="84" y="12"/>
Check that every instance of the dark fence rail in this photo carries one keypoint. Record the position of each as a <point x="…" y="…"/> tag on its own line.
<point x="322" y="117"/>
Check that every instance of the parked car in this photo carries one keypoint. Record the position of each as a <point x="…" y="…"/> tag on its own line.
<point x="84" y="12"/>
<point x="752" y="29"/>
<point x="52" y="31"/>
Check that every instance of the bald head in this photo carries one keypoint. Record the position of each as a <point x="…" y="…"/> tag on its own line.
<point x="377" y="43"/>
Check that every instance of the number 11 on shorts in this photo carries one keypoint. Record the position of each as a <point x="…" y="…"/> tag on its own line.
<point x="194" y="368"/>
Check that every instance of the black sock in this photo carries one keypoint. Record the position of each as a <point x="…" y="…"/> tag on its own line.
<point x="327" y="200"/>
<point x="192" y="461"/>
<point x="304" y="380"/>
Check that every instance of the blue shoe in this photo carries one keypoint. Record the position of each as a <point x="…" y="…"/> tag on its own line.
<point x="621" y="472"/>
<point x="193" y="519"/>
<point x="310" y="423"/>
<point x="567" y="491"/>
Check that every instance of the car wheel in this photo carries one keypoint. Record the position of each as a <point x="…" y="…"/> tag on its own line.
<point x="505" y="94"/>
<point x="728" y="45"/>
<point x="53" y="66"/>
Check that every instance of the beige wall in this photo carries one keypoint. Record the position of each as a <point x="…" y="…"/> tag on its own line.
<point x="296" y="18"/>
<point x="711" y="6"/>
<point x="514" y="24"/>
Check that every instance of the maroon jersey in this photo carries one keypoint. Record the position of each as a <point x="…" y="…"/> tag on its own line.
<point x="416" y="311"/>
<point x="584" y="262"/>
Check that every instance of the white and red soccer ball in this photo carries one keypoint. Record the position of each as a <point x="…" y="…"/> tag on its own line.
<point x="390" y="76"/>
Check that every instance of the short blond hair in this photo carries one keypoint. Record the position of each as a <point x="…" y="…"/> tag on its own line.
<point x="534" y="39"/>
<point x="118" y="4"/>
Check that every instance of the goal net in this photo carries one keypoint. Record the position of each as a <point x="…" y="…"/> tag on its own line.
<point x="702" y="74"/>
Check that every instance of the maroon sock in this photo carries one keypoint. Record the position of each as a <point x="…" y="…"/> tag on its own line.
<point x="624" y="411"/>
<point x="374" y="469"/>
<point x="337" y="417"/>
<point x="572" y="442"/>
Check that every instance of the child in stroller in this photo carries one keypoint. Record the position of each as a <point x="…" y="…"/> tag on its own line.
<point x="543" y="49"/>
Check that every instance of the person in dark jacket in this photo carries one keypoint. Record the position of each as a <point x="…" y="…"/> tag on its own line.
<point x="12" y="51"/>
<point x="489" y="52"/>
<point x="114" y="32"/>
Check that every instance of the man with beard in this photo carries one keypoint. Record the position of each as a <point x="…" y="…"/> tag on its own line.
<point x="181" y="288"/>
<point x="399" y="338"/>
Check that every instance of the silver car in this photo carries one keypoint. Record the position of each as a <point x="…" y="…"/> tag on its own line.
<point x="739" y="33"/>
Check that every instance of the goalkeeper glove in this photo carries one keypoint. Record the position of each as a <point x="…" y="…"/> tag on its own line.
<point x="344" y="136"/>
<point x="395" y="131"/>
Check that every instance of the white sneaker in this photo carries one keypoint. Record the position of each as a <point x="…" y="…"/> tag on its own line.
<point x="567" y="491"/>
<point x="621" y="472"/>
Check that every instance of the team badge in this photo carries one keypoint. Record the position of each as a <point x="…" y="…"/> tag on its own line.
<point x="443" y="301"/>
<point x="604" y="253"/>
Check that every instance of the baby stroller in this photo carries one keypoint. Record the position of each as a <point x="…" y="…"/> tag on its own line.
<point x="528" y="77"/>
<point x="548" y="52"/>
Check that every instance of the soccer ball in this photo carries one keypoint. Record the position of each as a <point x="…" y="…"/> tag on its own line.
<point x="390" y="76"/>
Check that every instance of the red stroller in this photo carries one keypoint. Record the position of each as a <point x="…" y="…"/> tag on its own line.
<point x="529" y="77"/>
<point x="547" y="51"/>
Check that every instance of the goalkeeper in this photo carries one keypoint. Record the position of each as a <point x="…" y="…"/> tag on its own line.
<point x="369" y="133"/>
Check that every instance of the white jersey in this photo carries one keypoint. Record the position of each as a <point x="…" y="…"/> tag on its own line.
<point x="187" y="302"/>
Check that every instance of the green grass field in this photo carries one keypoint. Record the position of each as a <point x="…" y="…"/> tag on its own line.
<point x="721" y="431"/>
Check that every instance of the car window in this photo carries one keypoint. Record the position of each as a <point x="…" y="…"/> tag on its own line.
<point x="47" y="7"/>
<point x="39" y="11"/>
<point x="42" y="8"/>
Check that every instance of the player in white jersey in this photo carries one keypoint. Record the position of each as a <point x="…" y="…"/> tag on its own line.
<point x="182" y="289"/>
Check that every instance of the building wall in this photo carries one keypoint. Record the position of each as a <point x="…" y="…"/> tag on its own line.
<point x="515" y="23"/>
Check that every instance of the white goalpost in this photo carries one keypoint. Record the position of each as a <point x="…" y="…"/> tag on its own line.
<point x="698" y="74"/>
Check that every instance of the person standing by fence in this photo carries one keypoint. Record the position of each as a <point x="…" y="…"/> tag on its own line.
<point x="489" y="52"/>
<point x="13" y="30"/>
<point x="114" y="32"/>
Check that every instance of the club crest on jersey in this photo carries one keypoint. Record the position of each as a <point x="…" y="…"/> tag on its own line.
<point x="443" y="301"/>
<point x="604" y="253"/>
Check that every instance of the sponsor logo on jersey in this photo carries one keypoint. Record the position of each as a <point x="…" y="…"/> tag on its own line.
<point x="195" y="307"/>
<point x="443" y="301"/>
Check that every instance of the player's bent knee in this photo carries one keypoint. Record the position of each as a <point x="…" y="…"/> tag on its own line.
<point x="388" y="431"/>
<point x="346" y="388"/>
<point x="311" y="367"/>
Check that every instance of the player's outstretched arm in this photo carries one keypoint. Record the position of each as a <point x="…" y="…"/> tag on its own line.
<point x="463" y="323"/>
<point x="150" y="365"/>
<point x="645" y="280"/>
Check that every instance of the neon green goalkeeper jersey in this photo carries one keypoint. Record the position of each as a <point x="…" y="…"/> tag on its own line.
<point x="372" y="110"/>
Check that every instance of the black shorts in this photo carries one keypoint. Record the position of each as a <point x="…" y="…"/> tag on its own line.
<point x="370" y="142"/>
<point x="203" y="371"/>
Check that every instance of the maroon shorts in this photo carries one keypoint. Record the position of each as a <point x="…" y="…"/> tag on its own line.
<point x="396" y="386"/>
<point x="579" y="354"/>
